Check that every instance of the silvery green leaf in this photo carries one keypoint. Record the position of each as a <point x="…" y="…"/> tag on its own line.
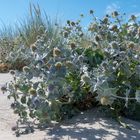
<point x="29" y="75"/>
<point x="35" y="85"/>
<point x="138" y="71"/>
<point x="127" y="95"/>
<point x="52" y="69"/>
<point x="10" y="87"/>
<point x="36" y="72"/>
<point x="137" y="95"/>
<point x="35" y="101"/>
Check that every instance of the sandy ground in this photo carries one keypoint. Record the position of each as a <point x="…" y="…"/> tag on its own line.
<point x="90" y="125"/>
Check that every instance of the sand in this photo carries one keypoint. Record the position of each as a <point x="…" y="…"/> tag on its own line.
<point x="89" y="125"/>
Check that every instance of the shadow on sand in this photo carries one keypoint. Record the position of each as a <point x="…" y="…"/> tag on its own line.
<point x="93" y="125"/>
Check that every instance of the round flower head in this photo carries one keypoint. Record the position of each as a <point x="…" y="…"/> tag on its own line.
<point x="105" y="20"/>
<point x="131" y="45"/>
<point x="33" y="47"/>
<point x="16" y="86"/>
<point x="56" y="52"/>
<point x="26" y="69"/>
<point x="107" y="15"/>
<point x="32" y="91"/>
<point x="81" y="58"/>
<point x="115" y="14"/>
<point x="85" y="78"/>
<point x="105" y="100"/>
<point x="92" y="27"/>
<point x="12" y="55"/>
<point x="91" y="11"/>
<point x="41" y="28"/>
<point x="114" y="28"/>
<point x="114" y="45"/>
<point x="68" y="22"/>
<point x="72" y="23"/>
<point x="72" y="45"/>
<point x="65" y="34"/>
<point x="133" y="17"/>
<point x="81" y="15"/>
<point x="51" y="87"/>
<point x="38" y="37"/>
<point x="97" y="38"/>
<point x="58" y="65"/>
<point x="69" y="64"/>
<point x="48" y="65"/>
<point x="4" y="67"/>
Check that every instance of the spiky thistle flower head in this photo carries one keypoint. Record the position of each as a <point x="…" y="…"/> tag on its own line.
<point x="72" y="45"/>
<point x="26" y="69"/>
<point x="56" y="52"/>
<point x="85" y="78"/>
<point x="115" y="14"/>
<point x="33" y="47"/>
<point x="105" y="100"/>
<point x="69" y="64"/>
<point x="131" y="45"/>
<point x="58" y="65"/>
<point x="32" y="91"/>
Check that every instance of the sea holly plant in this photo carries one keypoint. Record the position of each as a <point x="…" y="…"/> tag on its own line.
<point x="117" y="82"/>
<point x="44" y="90"/>
<point x="72" y="75"/>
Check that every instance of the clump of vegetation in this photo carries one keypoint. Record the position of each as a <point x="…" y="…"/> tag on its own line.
<point x="68" y="75"/>
<point x="15" y="43"/>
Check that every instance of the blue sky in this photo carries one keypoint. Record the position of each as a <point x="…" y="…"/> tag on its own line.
<point x="13" y="10"/>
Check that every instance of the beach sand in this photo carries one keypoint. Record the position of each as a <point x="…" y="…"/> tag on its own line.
<point x="89" y="125"/>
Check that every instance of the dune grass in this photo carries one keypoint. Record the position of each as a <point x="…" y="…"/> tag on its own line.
<point x="26" y="31"/>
